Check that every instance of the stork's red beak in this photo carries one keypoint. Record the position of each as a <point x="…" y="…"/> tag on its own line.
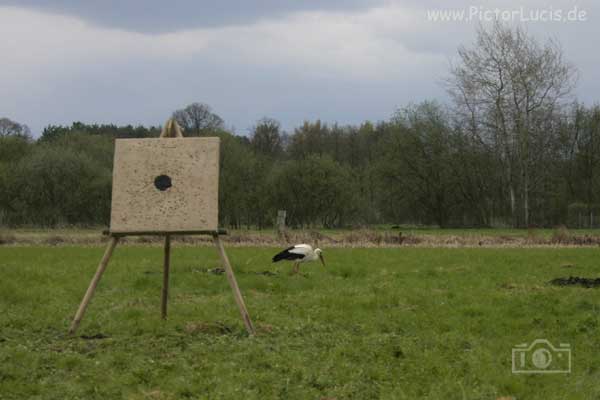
<point x="322" y="259"/>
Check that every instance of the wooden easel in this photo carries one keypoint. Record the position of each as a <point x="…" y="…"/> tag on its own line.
<point x="171" y="130"/>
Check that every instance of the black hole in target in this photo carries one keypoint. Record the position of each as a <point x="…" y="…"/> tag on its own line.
<point x="162" y="182"/>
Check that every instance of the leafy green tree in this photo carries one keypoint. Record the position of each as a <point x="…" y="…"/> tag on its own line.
<point x="99" y="148"/>
<point x="52" y="132"/>
<point x="309" y="139"/>
<point x="55" y="132"/>
<point x="12" y="149"/>
<point x="237" y="181"/>
<point x="53" y="186"/>
<point x="581" y="174"/>
<point x="477" y="175"/>
<point x="314" y="191"/>
<point x="266" y="138"/>
<point x="416" y="161"/>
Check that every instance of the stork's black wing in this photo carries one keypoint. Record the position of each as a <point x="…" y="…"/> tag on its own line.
<point x="287" y="255"/>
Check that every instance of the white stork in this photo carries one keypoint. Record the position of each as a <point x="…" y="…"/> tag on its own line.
<point x="300" y="253"/>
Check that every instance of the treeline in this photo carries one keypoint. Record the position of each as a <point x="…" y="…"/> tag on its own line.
<point x="417" y="168"/>
<point x="513" y="149"/>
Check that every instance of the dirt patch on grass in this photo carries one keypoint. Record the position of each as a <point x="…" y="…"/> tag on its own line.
<point x="266" y="273"/>
<point x="576" y="281"/>
<point x="96" y="336"/>
<point x="210" y="328"/>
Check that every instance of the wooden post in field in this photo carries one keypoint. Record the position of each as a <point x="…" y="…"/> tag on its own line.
<point x="281" y="230"/>
<point x="93" y="284"/>
<point x="165" y="288"/>
<point x="234" y="286"/>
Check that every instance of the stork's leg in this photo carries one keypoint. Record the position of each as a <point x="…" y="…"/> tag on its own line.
<point x="296" y="268"/>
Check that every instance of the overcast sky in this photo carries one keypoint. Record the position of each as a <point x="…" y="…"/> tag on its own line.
<point x="136" y="61"/>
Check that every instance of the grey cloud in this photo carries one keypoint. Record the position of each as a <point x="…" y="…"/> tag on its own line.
<point x="125" y="95"/>
<point x="242" y="83"/>
<point x="160" y="16"/>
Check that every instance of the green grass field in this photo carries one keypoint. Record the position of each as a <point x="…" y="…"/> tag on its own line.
<point x="402" y="323"/>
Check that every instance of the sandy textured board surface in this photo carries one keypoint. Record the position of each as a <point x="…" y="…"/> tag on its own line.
<point x="165" y="185"/>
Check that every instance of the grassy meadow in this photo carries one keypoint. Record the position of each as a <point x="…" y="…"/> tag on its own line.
<point x="378" y="323"/>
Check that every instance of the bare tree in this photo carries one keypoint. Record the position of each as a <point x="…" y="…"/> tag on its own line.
<point x="505" y="86"/>
<point x="266" y="137"/>
<point x="12" y="128"/>
<point x="198" y="119"/>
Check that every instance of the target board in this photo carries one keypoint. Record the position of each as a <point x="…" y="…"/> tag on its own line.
<point x="165" y="185"/>
<point x="168" y="185"/>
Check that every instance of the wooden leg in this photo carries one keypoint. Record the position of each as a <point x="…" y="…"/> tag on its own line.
<point x="93" y="284"/>
<point x="165" y="288"/>
<point x="234" y="286"/>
